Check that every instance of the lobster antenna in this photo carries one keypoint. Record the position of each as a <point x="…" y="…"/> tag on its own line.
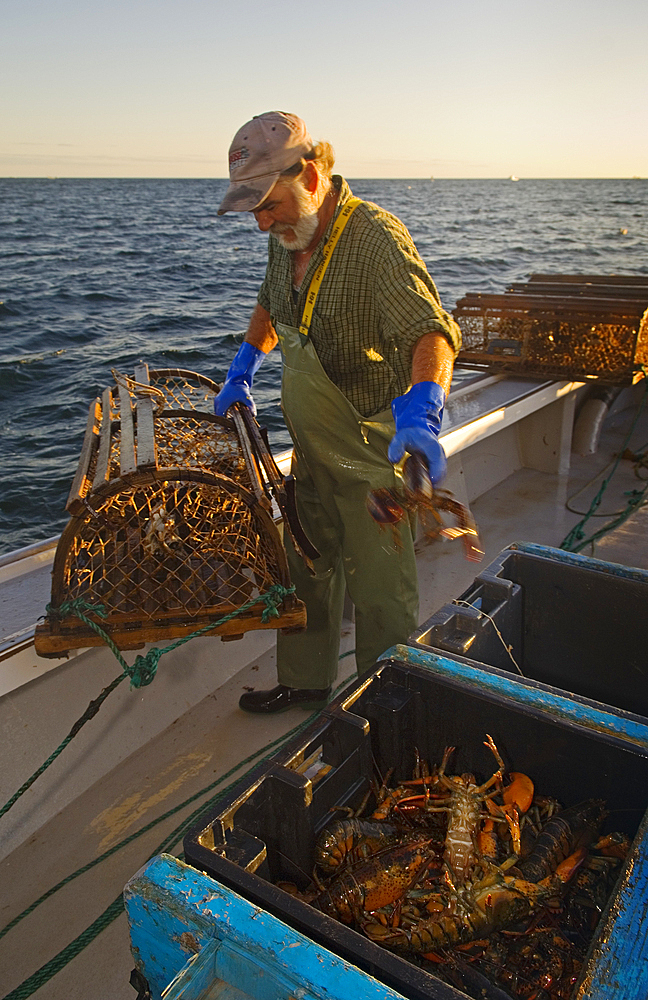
<point x="291" y="862"/>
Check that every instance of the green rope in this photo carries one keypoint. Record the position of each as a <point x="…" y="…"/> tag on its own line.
<point x="45" y="973"/>
<point x="636" y="498"/>
<point x="89" y="713"/>
<point x="56" y="964"/>
<point x="143" y="670"/>
<point x="78" y="607"/>
<point x="575" y="540"/>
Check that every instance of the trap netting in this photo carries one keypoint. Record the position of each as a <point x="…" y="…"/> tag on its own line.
<point x="171" y="524"/>
<point x="568" y="329"/>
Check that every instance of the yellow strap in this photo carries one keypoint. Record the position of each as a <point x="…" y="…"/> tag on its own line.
<point x="336" y="232"/>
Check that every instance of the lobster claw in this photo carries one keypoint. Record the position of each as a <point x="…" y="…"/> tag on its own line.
<point x="466" y="529"/>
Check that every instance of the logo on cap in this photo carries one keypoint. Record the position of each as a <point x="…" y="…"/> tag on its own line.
<point x="238" y="157"/>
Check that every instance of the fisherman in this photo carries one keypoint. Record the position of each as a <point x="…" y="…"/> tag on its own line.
<point x="367" y="354"/>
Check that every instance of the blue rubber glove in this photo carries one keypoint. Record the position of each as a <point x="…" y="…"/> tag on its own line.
<point x="238" y="381"/>
<point x="418" y="415"/>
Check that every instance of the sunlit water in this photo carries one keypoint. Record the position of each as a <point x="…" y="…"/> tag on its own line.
<point x="98" y="274"/>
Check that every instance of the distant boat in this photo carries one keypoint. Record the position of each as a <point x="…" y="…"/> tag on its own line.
<point x="513" y="178"/>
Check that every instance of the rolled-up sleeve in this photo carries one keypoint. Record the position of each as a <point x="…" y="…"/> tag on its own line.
<point x="409" y="302"/>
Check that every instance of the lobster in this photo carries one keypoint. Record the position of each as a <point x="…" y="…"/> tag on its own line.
<point x="347" y="841"/>
<point x="464" y="804"/>
<point x="389" y="506"/>
<point x="427" y="892"/>
<point x="477" y="910"/>
<point x="487" y="906"/>
<point x="389" y="801"/>
<point x="375" y="883"/>
<point x="564" y="833"/>
<point x="541" y="964"/>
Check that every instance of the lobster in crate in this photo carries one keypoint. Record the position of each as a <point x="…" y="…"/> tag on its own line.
<point x="172" y="522"/>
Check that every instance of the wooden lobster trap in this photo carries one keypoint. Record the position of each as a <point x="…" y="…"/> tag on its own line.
<point x="560" y="327"/>
<point x="171" y="521"/>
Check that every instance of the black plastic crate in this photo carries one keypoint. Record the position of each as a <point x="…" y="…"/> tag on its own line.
<point x="574" y="623"/>
<point x="266" y="829"/>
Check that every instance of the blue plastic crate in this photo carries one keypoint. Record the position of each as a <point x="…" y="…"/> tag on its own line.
<point x="193" y="938"/>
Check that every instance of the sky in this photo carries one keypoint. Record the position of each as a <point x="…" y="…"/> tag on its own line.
<point x="408" y="88"/>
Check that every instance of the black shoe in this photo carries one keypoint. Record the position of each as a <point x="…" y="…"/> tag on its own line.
<point x="281" y="697"/>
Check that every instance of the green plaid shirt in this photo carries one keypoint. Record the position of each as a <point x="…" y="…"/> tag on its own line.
<point x="376" y="300"/>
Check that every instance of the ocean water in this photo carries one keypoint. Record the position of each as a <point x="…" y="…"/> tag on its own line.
<point x="96" y="274"/>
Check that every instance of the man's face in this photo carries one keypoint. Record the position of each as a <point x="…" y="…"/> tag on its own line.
<point x="289" y="213"/>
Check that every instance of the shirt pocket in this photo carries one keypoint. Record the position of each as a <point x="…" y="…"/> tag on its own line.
<point x="340" y="344"/>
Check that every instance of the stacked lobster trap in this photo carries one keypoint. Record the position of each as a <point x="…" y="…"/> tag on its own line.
<point x="559" y="326"/>
<point x="172" y="522"/>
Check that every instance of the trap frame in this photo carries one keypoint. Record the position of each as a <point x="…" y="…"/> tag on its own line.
<point x="559" y="327"/>
<point x="171" y="521"/>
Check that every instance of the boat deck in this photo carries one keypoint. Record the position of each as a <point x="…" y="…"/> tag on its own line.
<point x="212" y="738"/>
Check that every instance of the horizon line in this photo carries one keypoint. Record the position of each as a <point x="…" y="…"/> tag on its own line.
<point x="510" y="177"/>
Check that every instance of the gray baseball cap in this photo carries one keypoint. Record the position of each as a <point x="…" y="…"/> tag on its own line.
<point x="261" y="150"/>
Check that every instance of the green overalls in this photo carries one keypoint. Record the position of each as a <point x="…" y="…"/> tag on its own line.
<point x="338" y="457"/>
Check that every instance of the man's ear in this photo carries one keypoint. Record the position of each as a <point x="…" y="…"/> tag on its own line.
<point x="310" y="177"/>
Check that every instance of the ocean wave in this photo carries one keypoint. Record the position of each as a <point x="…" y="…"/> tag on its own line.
<point x="7" y="310"/>
<point x="102" y="297"/>
<point x="29" y="359"/>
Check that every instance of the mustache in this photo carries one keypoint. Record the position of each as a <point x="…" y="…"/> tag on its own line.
<point x="302" y="232"/>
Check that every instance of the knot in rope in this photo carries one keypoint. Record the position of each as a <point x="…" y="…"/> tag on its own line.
<point x="272" y="599"/>
<point x="75" y="607"/>
<point x="575" y="535"/>
<point x="143" y="671"/>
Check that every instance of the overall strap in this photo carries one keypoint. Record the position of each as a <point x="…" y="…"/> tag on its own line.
<point x="336" y="232"/>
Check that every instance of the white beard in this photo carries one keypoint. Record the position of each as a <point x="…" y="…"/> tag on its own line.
<point x="303" y="232"/>
<point x="305" y="227"/>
